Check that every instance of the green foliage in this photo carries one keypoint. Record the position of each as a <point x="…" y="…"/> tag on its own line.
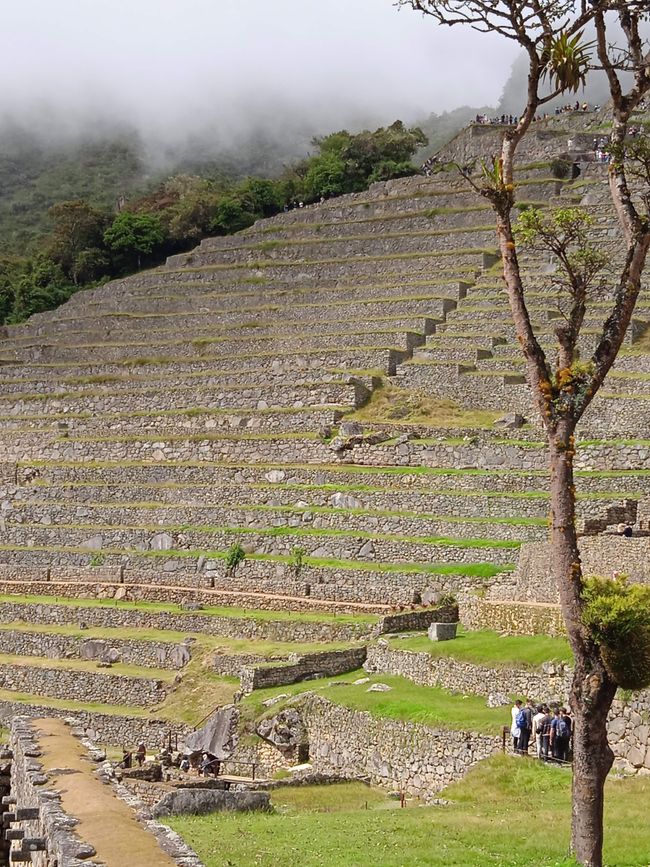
<point x="77" y="189"/>
<point x="133" y="236"/>
<point x="618" y="616"/>
<point x="348" y="163"/>
<point x="565" y="233"/>
<point x="560" y="168"/>
<point x="37" y="285"/>
<point x="326" y="176"/>
<point x="234" y="556"/>
<point x="231" y="216"/>
<point x="297" y="558"/>
<point x="566" y="62"/>
<point x="76" y="240"/>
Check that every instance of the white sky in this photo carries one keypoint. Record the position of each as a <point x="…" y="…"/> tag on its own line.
<point x="178" y="65"/>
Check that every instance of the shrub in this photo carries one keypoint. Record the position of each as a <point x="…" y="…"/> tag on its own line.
<point x="560" y="168"/>
<point x="297" y="556"/>
<point x="234" y="556"/>
<point x="618" y="616"/>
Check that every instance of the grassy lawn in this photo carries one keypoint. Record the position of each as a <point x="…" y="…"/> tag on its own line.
<point x="506" y="813"/>
<point x="406" y="701"/>
<point x="491" y="648"/>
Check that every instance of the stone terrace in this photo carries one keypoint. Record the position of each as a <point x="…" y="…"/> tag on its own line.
<point x="150" y="423"/>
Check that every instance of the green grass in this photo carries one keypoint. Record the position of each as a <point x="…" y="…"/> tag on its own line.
<point x="507" y="812"/>
<point x="209" y="610"/>
<point x="490" y="648"/>
<point x="211" y="643"/>
<point x="300" y="532"/>
<point x="406" y="701"/>
<point x="341" y="797"/>
<point x="389" y="403"/>
<point x="200" y="692"/>
<point x="119" y="669"/>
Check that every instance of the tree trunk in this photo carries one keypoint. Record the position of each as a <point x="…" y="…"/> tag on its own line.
<point x="592" y="690"/>
<point x="592" y="759"/>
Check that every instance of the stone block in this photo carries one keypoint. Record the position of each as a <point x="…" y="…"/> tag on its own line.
<point x="27" y="814"/>
<point x="442" y="631"/>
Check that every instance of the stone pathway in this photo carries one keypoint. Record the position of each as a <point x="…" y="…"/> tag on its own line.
<point x="105" y="821"/>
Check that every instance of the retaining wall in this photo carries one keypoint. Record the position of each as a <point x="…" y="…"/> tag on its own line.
<point x="399" y="756"/>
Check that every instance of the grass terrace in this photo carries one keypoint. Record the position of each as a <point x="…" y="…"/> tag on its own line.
<point x="406" y="701"/>
<point x="490" y="648"/>
<point x="207" y="611"/>
<point x="486" y="823"/>
<point x="476" y="570"/>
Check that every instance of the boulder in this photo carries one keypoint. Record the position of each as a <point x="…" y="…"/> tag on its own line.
<point x="340" y="500"/>
<point x="161" y="542"/>
<point x="197" y="802"/>
<point x="285" y="729"/>
<point x="350" y="429"/>
<point x="442" y="631"/>
<point x="511" y="421"/>
<point x="180" y="655"/>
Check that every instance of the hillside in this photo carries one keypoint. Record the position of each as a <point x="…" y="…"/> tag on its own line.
<point x="241" y="477"/>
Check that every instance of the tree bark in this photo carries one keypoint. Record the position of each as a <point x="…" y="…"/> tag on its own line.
<point x="592" y="690"/>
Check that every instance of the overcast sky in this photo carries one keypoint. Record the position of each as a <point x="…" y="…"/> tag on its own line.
<point x="174" y="65"/>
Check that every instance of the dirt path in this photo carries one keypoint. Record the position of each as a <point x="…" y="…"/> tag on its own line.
<point x="105" y="821"/>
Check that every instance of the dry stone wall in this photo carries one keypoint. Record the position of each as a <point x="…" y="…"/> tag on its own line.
<point x="601" y="555"/>
<point x="512" y="617"/>
<point x="84" y="686"/>
<point x="151" y="654"/>
<point x="297" y="668"/>
<point x="111" y="729"/>
<point x="399" y="756"/>
<point x="38" y="811"/>
<point x="303" y="631"/>
<point x="452" y="674"/>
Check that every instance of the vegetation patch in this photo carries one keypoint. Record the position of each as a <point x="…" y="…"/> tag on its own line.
<point x="480" y="826"/>
<point x="390" y="403"/>
<point x="491" y="648"/>
<point x="406" y="701"/>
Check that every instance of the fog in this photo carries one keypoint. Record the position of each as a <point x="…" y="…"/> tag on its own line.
<point x="178" y="70"/>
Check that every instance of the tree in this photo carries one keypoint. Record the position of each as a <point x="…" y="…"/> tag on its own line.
<point x="76" y="240"/>
<point x="133" y="236"/>
<point x="550" y="32"/>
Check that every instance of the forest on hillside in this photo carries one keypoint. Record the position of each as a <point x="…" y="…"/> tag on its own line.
<point x="94" y="210"/>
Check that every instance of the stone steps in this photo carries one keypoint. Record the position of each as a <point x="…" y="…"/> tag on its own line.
<point x="311" y="248"/>
<point x="284" y="313"/>
<point x="246" y="363"/>
<point x="420" y="219"/>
